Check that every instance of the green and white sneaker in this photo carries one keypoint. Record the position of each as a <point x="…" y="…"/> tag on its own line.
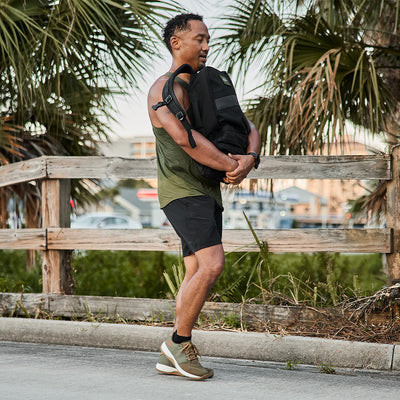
<point x="165" y="366"/>
<point x="184" y="358"/>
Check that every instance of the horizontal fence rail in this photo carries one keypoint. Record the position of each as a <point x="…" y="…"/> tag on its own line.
<point x="235" y="240"/>
<point x="23" y="239"/>
<point x="23" y="171"/>
<point x="271" y="167"/>
<point x="56" y="238"/>
<point x="162" y="310"/>
<point x="324" y="167"/>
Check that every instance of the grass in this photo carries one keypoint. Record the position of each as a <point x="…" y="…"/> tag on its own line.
<point x="326" y="369"/>
<point x="318" y="280"/>
<point x="291" y="365"/>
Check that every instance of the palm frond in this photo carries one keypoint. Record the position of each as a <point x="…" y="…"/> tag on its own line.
<point x="320" y="73"/>
<point x="249" y="28"/>
<point x="60" y="64"/>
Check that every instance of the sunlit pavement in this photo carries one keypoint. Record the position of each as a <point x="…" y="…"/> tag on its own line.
<point x="39" y="371"/>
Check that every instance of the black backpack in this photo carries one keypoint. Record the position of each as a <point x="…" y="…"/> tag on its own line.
<point x="216" y="112"/>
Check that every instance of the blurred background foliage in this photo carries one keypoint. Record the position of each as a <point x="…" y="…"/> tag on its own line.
<point x="319" y="279"/>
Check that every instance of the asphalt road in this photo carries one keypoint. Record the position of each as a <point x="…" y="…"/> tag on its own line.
<point x="38" y="371"/>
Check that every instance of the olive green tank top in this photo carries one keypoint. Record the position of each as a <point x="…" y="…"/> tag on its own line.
<point x="178" y="175"/>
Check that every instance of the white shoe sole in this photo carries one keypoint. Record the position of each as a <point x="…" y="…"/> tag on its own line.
<point x="165" y="350"/>
<point x="165" y="369"/>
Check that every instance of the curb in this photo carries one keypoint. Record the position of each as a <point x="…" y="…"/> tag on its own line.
<point x="238" y="345"/>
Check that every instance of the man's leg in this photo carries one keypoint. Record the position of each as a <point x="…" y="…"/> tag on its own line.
<point x="202" y="270"/>
<point x="198" y="222"/>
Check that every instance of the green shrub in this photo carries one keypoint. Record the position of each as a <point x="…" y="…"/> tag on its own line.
<point x="121" y="273"/>
<point x="14" y="276"/>
<point x="319" y="279"/>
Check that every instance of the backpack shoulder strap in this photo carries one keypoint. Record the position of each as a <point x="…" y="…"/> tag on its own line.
<point x="170" y="100"/>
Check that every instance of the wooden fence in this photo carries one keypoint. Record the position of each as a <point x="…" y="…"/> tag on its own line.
<point x="55" y="238"/>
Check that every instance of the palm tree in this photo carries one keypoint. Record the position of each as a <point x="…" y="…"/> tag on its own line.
<point x="60" y="64"/>
<point x="325" y="63"/>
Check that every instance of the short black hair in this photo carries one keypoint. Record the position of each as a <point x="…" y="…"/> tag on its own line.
<point x="178" y="23"/>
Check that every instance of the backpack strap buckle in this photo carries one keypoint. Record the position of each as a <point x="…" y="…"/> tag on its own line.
<point x="180" y="115"/>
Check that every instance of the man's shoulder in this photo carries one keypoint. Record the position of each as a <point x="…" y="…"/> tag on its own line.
<point x="156" y="89"/>
<point x="158" y="84"/>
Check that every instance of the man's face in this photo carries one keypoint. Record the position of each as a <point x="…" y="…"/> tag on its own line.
<point x="193" y="45"/>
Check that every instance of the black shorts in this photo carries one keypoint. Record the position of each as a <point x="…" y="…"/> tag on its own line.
<point x="197" y="220"/>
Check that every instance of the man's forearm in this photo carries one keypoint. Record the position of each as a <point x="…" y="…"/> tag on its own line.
<point x="207" y="154"/>
<point x="254" y="140"/>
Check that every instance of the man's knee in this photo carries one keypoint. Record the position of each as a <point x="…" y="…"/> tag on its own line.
<point x="211" y="262"/>
<point x="216" y="267"/>
<point x="216" y="270"/>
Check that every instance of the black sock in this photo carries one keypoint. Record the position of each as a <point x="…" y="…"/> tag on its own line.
<point x="179" y="339"/>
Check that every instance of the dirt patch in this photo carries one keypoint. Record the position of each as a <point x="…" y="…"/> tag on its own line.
<point x="374" y="319"/>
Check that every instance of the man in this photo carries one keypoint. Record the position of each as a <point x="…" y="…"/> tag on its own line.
<point x="192" y="203"/>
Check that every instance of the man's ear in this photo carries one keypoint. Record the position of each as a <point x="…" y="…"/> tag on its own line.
<point x="175" y="42"/>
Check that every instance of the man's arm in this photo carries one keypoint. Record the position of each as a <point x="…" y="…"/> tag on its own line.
<point x="205" y="152"/>
<point x="245" y="162"/>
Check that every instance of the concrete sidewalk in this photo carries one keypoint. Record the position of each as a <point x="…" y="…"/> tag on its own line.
<point x="238" y="345"/>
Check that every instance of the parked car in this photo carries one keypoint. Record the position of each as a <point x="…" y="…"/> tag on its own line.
<point x="105" y="221"/>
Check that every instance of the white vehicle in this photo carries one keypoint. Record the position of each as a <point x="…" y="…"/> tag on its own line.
<point x="104" y="221"/>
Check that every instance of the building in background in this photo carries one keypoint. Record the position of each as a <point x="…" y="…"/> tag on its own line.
<point x="336" y="193"/>
<point x="292" y="207"/>
<point x="137" y="147"/>
<point x="140" y="205"/>
<point x="263" y="210"/>
<point x="143" y="147"/>
<point x="146" y="202"/>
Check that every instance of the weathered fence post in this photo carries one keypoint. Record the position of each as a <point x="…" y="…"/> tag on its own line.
<point x="393" y="218"/>
<point x="56" y="265"/>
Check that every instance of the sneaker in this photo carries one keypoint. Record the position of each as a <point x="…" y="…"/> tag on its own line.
<point x="184" y="357"/>
<point x="165" y="366"/>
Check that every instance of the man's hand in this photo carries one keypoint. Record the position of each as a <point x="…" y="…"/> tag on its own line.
<point x="246" y="163"/>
